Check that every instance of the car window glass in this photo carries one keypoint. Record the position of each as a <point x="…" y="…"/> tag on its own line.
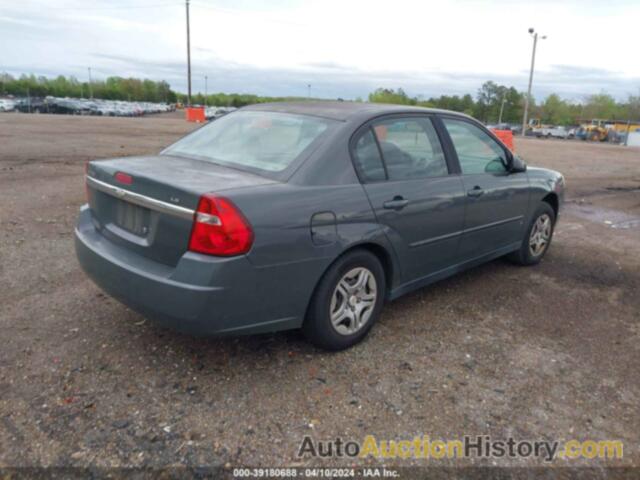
<point x="410" y="148"/>
<point x="264" y="141"/>
<point x="367" y="158"/>
<point x="477" y="152"/>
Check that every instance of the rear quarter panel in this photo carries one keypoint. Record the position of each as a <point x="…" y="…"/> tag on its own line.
<point x="288" y="262"/>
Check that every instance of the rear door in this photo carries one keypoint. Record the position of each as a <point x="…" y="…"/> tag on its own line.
<point x="496" y="200"/>
<point x="405" y="174"/>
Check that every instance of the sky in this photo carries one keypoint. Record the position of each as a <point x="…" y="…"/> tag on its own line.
<point x="342" y="48"/>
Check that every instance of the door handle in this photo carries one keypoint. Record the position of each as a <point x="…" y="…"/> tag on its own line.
<point x="398" y="203"/>
<point x="475" y="191"/>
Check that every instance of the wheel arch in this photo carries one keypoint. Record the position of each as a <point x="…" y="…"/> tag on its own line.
<point x="552" y="199"/>
<point x="385" y="260"/>
<point x="379" y="251"/>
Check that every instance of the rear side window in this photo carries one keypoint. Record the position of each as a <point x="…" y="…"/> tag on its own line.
<point x="367" y="158"/>
<point x="410" y="148"/>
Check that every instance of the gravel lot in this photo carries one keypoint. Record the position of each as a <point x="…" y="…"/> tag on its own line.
<point x="536" y="353"/>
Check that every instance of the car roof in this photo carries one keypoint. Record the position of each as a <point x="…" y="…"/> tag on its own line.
<point x="342" y="110"/>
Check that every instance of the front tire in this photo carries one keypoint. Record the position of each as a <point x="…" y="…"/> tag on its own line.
<point x="537" y="237"/>
<point x="347" y="301"/>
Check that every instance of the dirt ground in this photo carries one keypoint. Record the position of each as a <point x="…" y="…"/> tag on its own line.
<point x="548" y="352"/>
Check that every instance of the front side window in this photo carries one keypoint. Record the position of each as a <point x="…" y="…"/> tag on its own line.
<point x="477" y="152"/>
<point x="410" y="148"/>
<point x="263" y="141"/>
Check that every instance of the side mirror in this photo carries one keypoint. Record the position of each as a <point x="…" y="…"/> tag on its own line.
<point x="496" y="166"/>
<point x="516" y="164"/>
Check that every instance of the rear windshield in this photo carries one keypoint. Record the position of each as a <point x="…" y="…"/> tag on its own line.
<point x="263" y="141"/>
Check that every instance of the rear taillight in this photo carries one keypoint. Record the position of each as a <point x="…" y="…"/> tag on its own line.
<point x="219" y="228"/>
<point x="124" y="178"/>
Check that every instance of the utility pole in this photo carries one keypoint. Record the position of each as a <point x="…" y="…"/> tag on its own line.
<point x="504" y="99"/>
<point x="188" y="58"/>
<point x="206" y="80"/>
<point x="534" y="34"/>
<point x="309" y="90"/>
<point x="90" y="86"/>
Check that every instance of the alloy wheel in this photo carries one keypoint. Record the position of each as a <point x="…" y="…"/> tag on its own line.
<point x="540" y="235"/>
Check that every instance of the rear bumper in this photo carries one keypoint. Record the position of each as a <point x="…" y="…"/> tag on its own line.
<point x="201" y="295"/>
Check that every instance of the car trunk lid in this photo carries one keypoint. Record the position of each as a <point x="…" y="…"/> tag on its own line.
<point x="147" y="203"/>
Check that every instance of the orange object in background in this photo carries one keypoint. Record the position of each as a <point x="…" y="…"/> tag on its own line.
<point x="506" y="136"/>
<point x="195" y="114"/>
<point x="381" y="132"/>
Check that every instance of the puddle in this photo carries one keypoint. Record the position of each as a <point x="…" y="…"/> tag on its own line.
<point x="606" y="216"/>
<point x="628" y="224"/>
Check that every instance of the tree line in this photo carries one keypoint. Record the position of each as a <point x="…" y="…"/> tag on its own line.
<point x="112" y="88"/>
<point x="487" y="105"/>
<point x="492" y="98"/>
<point x="233" y="99"/>
<point x="118" y="88"/>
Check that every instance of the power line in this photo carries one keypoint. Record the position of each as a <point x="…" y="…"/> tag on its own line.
<point x="113" y="7"/>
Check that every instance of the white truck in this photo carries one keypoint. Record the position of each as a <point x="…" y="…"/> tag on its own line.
<point x="553" y="132"/>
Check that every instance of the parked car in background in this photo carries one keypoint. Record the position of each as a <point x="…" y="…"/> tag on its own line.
<point x="309" y="215"/>
<point x="7" y="105"/>
<point x="111" y="108"/>
<point x="212" y="113"/>
<point x="516" y="129"/>
<point x="32" y="105"/>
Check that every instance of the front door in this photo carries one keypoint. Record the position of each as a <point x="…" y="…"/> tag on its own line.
<point x="496" y="200"/>
<point x="407" y="179"/>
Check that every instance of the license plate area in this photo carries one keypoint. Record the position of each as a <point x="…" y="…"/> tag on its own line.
<point x="132" y="218"/>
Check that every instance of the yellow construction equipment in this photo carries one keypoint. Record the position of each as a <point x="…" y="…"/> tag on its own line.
<point x="599" y="130"/>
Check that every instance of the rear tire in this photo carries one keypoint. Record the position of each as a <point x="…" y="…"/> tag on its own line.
<point x="347" y="301"/>
<point x="537" y="237"/>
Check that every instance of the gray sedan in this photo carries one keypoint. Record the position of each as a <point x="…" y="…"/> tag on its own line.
<point x="309" y="215"/>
